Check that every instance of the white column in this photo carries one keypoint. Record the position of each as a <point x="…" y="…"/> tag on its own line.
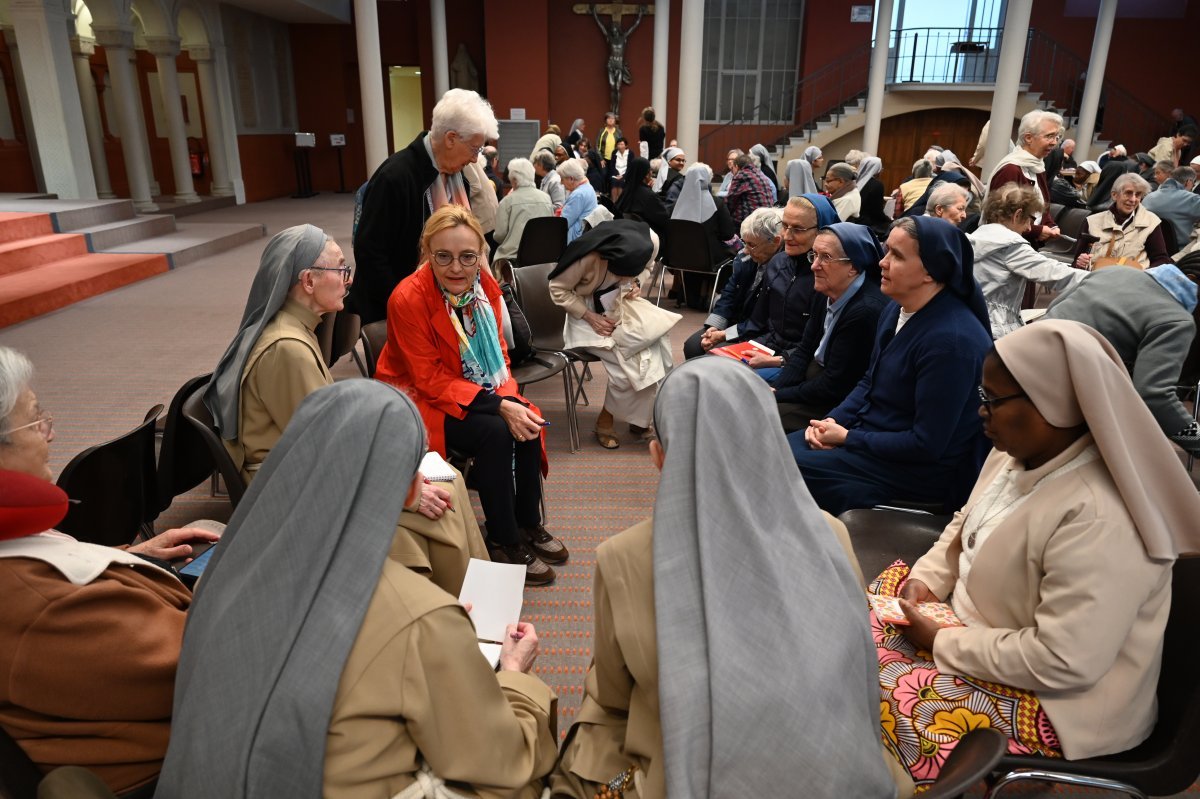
<point x="877" y="78"/>
<point x="441" y="55"/>
<point x="691" y="40"/>
<point x="83" y="49"/>
<point x="10" y="39"/>
<point x="214" y="125"/>
<point x="165" y="49"/>
<point x="662" y="47"/>
<point x="229" y="120"/>
<point x="42" y="31"/>
<point x="370" y="79"/>
<point x="1008" y="82"/>
<point x="1085" y="130"/>
<point x="143" y="130"/>
<point x="118" y="44"/>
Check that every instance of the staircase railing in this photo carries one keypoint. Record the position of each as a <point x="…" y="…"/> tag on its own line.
<point x="939" y="55"/>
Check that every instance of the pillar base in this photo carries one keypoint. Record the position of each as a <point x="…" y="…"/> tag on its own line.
<point x="223" y="191"/>
<point x="187" y="197"/>
<point x="145" y="207"/>
<point x="106" y="195"/>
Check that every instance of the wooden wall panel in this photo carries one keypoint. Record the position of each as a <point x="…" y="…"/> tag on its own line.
<point x="905" y="138"/>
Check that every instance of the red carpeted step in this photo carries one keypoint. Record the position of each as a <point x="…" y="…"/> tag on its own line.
<point x="16" y="256"/>
<point x="33" y="292"/>
<point x="14" y="226"/>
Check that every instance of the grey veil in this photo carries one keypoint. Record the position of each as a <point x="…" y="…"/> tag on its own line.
<point x="288" y="254"/>
<point x="281" y="603"/>
<point x="768" y="676"/>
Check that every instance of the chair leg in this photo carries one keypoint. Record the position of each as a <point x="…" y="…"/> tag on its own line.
<point x="662" y="277"/>
<point x="1040" y="775"/>
<point x="580" y="377"/>
<point x="358" y="361"/>
<point x="572" y="421"/>
<point x="712" y="300"/>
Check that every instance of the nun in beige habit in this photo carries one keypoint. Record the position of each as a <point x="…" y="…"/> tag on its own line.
<point x="314" y="665"/>
<point x="731" y="656"/>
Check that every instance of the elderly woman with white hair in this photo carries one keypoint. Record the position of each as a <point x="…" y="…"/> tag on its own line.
<point x="912" y="190"/>
<point x="948" y="201"/>
<point x="843" y="191"/>
<point x="407" y="188"/>
<point x="526" y="201"/>
<point x="581" y="197"/>
<point x="1038" y="135"/>
<point x="1127" y="233"/>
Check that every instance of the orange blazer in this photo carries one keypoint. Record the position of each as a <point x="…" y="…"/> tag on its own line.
<point x="421" y="356"/>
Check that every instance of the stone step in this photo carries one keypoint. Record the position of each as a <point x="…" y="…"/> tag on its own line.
<point x="126" y="231"/>
<point x="195" y="240"/>
<point x="70" y="215"/>
<point x="34" y="292"/>
<point x="167" y="205"/>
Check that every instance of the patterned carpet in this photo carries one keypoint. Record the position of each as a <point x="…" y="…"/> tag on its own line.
<point x="103" y="362"/>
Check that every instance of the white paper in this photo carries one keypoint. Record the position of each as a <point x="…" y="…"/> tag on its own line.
<point x="434" y="467"/>
<point x="491" y="653"/>
<point x="495" y="592"/>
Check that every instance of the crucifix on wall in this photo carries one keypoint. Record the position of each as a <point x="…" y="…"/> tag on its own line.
<point x="617" y="37"/>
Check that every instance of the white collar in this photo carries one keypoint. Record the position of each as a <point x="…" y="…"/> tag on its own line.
<point x="78" y="562"/>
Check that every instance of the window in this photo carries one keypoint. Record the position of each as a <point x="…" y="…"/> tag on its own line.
<point x="751" y="58"/>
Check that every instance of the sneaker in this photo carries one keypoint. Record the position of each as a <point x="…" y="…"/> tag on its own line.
<point x="544" y="545"/>
<point x="537" y="572"/>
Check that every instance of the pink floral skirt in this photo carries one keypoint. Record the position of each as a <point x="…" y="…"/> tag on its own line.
<point x="924" y="713"/>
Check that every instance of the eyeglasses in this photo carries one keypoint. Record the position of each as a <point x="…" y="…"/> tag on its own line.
<point x="475" y="151"/>
<point x="796" y="229"/>
<point x="346" y="271"/>
<point x="44" y="424"/>
<point x="820" y="257"/>
<point x="467" y="259"/>
<point x="989" y="402"/>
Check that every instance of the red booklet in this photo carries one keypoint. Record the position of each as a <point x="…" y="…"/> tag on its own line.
<point x="887" y="608"/>
<point x="742" y="351"/>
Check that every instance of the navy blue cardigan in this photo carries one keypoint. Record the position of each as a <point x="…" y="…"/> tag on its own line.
<point x="781" y="310"/>
<point x="918" y="401"/>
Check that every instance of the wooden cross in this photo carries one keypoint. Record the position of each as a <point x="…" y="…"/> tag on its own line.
<point x="615" y="10"/>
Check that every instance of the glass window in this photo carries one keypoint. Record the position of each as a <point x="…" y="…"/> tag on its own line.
<point x="751" y="60"/>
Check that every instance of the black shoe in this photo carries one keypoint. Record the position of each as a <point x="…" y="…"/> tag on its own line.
<point x="544" y="545"/>
<point x="537" y="572"/>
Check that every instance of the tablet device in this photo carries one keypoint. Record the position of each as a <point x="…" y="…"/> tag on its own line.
<point x="199" y="564"/>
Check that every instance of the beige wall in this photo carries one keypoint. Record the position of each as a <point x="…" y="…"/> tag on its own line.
<point x="405" y="83"/>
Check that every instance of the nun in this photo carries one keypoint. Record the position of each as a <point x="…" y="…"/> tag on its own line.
<point x="696" y="204"/>
<point x="910" y="430"/>
<point x="798" y="178"/>
<point x="765" y="164"/>
<point x="315" y="665"/>
<point x="668" y="181"/>
<point x="872" y="196"/>
<point x="639" y="201"/>
<point x="814" y="157"/>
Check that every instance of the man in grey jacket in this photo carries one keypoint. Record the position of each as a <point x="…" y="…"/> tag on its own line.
<point x="1175" y="204"/>
<point x="1150" y="319"/>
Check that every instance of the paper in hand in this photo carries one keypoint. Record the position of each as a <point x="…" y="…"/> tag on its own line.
<point x="495" y="592"/>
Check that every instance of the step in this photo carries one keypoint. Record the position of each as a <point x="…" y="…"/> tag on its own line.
<point x="16" y="226"/>
<point x="18" y="256"/>
<point x="167" y="205"/>
<point x="71" y="214"/>
<point x="195" y="240"/>
<point x="126" y="231"/>
<point x="34" y="292"/>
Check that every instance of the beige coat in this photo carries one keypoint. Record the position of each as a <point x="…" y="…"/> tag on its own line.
<point x="482" y="196"/>
<point x="618" y="723"/>
<point x="284" y="367"/>
<point x="1075" y="608"/>
<point x="416" y="688"/>
<point x="1126" y="243"/>
<point x="441" y="549"/>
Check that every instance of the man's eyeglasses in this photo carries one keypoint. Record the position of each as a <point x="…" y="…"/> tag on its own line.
<point x="816" y="257"/>
<point x="346" y="271"/>
<point x="796" y="229"/>
<point x="989" y="402"/>
<point x="475" y="151"/>
<point x="467" y="259"/>
<point x="44" y="424"/>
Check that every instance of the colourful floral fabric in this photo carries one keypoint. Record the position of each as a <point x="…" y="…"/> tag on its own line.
<point x="924" y="713"/>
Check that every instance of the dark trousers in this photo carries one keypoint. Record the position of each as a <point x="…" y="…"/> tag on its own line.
<point x="506" y="473"/>
<point x="691" y="347"/>
<point x="839" y="480"/>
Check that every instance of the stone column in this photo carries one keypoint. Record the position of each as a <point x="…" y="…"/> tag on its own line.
<point x="691" y="42"/>
<point x="10" y="39"/>
<point x="877" y="78"/>
<point x="144" y="130"/>
<point x="1008" y="83"/>
<point x="370" y="81"/>
<point x="49" y="75"/>
<point x="118" y="44"/>
<point x="441" y="56"/>
<point x="83" y="49"/>
<point x="214" y="123"/>
<point x="229" y="118"/>
<point x="1089" y="104"/>
<point x="165" y="49"/>
<point x="662" y="47"/>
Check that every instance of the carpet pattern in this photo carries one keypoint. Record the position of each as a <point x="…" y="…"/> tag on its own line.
<point x="103" y="361"/>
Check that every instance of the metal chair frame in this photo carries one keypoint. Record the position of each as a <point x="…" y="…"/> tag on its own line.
<point x="687" y="250"/>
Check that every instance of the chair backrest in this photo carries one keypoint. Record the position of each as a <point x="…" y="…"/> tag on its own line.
<point x="686" y="247"/>
<point x="19" y="777"/>
<point x="196" y="412"/>
<point x="183" y="458"/>
<point x="545" y="319"/>
<point x="543" y="240"/>
<point x="336" y="335"/>
<point x="373" y="337"/>
<point x="114" y="486"/>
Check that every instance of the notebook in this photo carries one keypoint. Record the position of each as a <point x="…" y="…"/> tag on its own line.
<point x="742" y="351"/>
<point x="434" y="467"/>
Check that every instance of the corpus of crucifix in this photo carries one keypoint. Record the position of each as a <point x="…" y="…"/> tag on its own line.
<point x="617" y="37"/>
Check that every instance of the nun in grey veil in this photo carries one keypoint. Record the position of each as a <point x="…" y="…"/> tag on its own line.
<point x="765" y="163"/>
<point x="282" y="600"/>
<point x="289" y="253"/>
<point x="695" y="202"/>
<point x="768" y="677"/>
<point x="799" y="177"/>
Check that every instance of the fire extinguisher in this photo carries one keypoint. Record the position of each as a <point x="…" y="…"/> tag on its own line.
<point x="197" y="157"/>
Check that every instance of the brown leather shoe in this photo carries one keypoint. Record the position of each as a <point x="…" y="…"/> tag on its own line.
<point x="544" y="545"/>
<point x="537" y="572"/>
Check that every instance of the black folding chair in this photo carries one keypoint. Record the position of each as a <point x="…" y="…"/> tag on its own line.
<point x="687" y="249"/>
<point x="373" y="336"/>
<point x="183" y="458"/>
<point x="197" y="413"/>
<point x="542" y="241"/>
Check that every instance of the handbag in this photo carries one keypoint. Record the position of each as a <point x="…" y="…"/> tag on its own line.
<point x="1109" y="260"/>
<point x="642" y="323"/>
<point x="521" y="347"/>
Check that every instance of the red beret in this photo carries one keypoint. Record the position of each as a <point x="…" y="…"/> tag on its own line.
<point x="28" y="505"/>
